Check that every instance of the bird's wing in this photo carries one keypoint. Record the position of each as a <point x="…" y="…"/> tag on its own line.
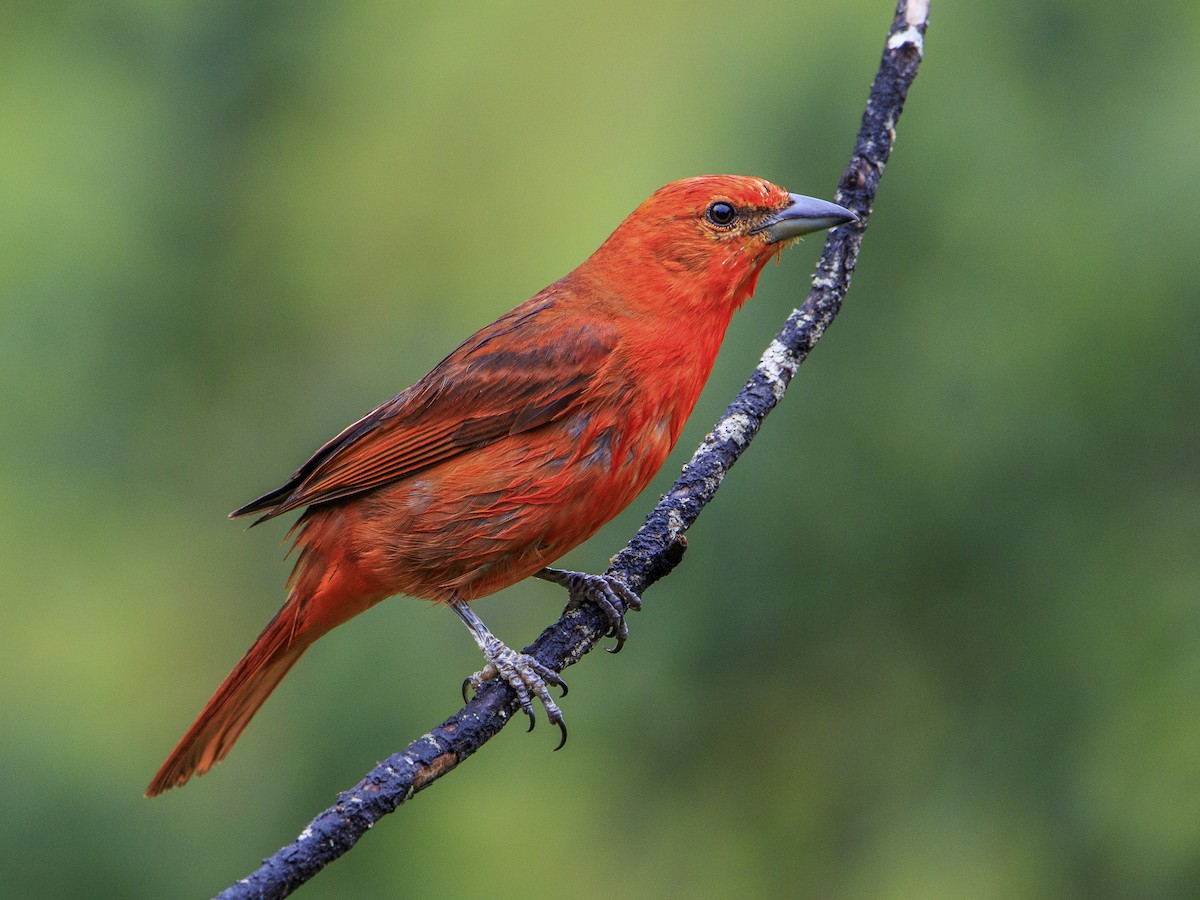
<point x="524" y="370"/>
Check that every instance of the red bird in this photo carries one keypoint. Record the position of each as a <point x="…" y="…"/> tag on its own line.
<point x="518" y="446"/>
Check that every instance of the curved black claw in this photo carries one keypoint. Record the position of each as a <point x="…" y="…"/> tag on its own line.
<point x="527" y="677"/>
<point x="608" y="593"/>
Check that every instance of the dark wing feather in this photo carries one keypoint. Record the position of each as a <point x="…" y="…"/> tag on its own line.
<point x="524" y="370"/>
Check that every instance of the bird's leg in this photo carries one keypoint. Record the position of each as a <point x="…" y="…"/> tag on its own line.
<point x="525" y="675"/>
<point x="605" y="591"/>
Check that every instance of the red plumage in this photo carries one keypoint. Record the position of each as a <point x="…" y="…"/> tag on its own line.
<point x="521" y="443"/>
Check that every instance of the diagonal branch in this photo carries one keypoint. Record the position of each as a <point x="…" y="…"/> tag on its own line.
<point x="659" y="544"/>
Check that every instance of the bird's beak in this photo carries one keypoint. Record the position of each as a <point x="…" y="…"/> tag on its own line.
<point x="804" y="215"/>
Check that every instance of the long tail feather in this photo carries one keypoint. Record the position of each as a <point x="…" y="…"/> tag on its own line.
<point x="236" y="701"/>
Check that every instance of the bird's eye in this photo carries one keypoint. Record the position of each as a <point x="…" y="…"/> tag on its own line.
<point x="721" y="213"/>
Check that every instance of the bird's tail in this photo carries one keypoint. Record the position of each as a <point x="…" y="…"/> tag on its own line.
<point x="238" y="698"/>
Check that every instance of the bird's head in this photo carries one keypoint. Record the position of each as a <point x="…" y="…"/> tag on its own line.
<point x="704" y="240"/>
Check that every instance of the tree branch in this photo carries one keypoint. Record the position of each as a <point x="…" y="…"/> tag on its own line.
<point x="659" y="544"/>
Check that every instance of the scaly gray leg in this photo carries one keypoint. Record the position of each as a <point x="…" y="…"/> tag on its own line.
<point x="603" y="590"/>
<point x="525" y="675"/>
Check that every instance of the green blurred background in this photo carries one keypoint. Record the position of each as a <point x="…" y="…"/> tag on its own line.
<point x="939" y="635"/>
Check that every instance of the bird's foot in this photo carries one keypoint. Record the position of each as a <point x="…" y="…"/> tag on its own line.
<point x="611" y="595"/>
<point x="526" y="676"/>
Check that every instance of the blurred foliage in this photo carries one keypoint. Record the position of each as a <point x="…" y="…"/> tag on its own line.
<point x="939" y="636"/>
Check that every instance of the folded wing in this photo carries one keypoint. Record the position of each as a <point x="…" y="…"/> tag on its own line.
<point x="526" y="369"/>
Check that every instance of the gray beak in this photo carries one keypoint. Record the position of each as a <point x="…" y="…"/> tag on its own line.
<point x="804" y="215"/>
